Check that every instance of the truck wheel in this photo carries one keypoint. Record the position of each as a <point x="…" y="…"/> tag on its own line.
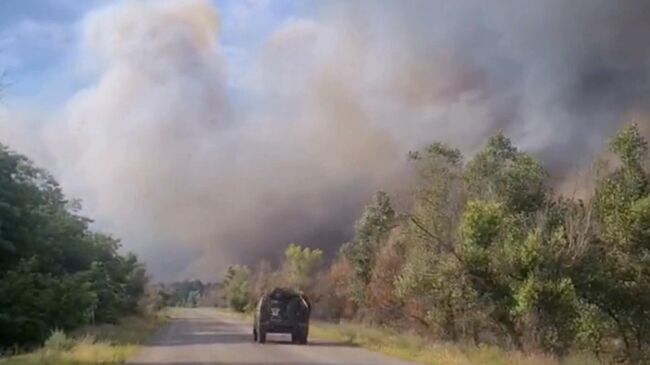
<point x="299" y="337"/>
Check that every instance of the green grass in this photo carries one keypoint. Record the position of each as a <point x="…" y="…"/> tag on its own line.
<point x="105" y="344"/>
<point x="416" y="348"/>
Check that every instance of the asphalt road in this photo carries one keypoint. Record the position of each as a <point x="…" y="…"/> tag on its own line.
<point x="202" y="336"/>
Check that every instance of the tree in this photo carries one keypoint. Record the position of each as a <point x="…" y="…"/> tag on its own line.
<point x="500" y="172"/>
<point x="481" y="259"/>
<point x="300" y="265"/>
<point x="263" y="279"/>
<point x="618" y="281"/>
<point x="386" y="307"/>
<point x="371" y="232"/>
<point x="236" y="287"/>
<point x="431" y="283"/>
<point x="332" y="291"/>
<point x="50" y="261"/>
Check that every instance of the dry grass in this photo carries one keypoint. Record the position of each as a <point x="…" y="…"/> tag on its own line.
<point x="415" y="348"/>
<point x="106" y="345"/>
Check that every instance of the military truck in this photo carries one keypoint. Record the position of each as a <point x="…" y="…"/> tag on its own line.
<point x="282" y="310"/>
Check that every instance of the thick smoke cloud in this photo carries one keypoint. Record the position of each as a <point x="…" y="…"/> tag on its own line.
<point x="557" y="76"/>
<point x="162" y="155"/>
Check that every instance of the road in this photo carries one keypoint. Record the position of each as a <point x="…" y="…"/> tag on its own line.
<point x="202" y="336"/>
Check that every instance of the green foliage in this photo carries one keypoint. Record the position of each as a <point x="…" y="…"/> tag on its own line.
<point x="630" y="146"/>
<point x="430" y="284"/>
<point x="492" y="252"/>
<point x="236" y="287"/>
<point x="618" y="190"/>
<point x="502" y="173"/>
<point x="482" y="227"/>
<point x="300" y="265"/>
<point x="618" y="287"/>
<point x="54" y="271"/>
<point x="371" y="232"/>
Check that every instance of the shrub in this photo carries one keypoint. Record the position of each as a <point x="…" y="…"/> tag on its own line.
<point x="58" y="341"/>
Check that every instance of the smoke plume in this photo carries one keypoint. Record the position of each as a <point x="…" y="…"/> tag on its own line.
<point x="193" y="181"/>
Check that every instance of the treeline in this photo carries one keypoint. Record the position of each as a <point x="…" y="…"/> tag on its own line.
<point x="55" y="272"/>
<point x="189" y="293"/>
<point x="488" y="253"/>
<point x="242" y="287"/>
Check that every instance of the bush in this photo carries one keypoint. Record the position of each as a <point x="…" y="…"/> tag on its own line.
<point x="58" y="341"/>
<point x="236" y="287"/>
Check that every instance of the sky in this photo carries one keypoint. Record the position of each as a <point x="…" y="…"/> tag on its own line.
<point x="39" y="52"/>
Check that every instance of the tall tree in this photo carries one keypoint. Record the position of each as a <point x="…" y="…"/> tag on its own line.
<point x="300" y="265"/>
<point x="236" y="287"/>
<point x="371" y="232"/>
<point x="618" y="282"/>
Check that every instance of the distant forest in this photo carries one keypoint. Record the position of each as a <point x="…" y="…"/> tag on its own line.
<point x="190" y="293"/>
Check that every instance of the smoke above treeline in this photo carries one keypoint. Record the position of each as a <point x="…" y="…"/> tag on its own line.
<point x="194" y="178"/>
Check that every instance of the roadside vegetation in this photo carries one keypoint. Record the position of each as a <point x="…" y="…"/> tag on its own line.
<point x="55" y="272"/>
<point x="67" y="293"/>
<point x="488" y="264"/>
<point x="108" y="344"/>
<point x="419" y="348"/>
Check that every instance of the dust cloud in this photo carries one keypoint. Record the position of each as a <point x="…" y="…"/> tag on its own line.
<point x="164" y="157"/>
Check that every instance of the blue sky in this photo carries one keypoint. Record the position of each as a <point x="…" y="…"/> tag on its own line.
<point x="38" y="42"/>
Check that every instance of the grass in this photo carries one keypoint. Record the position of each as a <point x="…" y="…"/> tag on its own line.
<point x="105" y="344"/>
<point x="418" y="349"/>
<point x="246" y="316"/>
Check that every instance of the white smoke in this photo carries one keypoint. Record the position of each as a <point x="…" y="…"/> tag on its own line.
<point x="192" y="182"/>
<point x="160" y="159"/>
<point x="135" y="141"/>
